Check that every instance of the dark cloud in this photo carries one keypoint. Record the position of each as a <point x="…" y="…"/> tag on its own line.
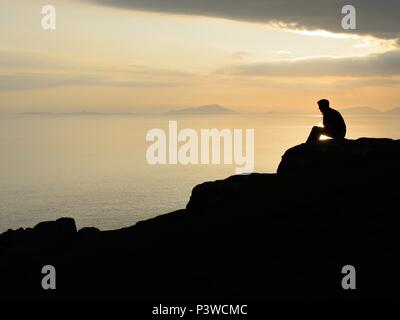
<point x="385" y="64"/>
<point x="378" y="18"/>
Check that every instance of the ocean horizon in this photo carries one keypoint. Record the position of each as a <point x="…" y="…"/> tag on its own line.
<point x="93" y="168"/>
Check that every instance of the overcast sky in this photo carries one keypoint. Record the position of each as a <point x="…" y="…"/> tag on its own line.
<point x="154" y="55"/>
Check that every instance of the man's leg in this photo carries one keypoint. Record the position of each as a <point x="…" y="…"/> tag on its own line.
<point x="315" y="134"/>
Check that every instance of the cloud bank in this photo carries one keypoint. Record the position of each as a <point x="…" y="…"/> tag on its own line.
<point x="376" y="18"/>
<point x="377" y="65"/>
<point x="26" y="70"/>
<point x="28" y="81"/>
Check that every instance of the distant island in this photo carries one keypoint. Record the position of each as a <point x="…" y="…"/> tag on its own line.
<point x="77" y="113"/>
<point x="208" y="109"/>
<point x="213" y="109"/>
<point x="394" y="111"/>
<point x="368" y="111"/>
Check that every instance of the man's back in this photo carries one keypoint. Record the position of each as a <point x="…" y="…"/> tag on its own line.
<point x="334" y="124"/>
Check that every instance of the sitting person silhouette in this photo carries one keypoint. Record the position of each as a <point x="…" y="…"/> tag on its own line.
<point x="334" y="126"/>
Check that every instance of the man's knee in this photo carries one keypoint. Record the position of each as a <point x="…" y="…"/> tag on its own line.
<point x="315" y="134"/>
<point x="316" y="130"/>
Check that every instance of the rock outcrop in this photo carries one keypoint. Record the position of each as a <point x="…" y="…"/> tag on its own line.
<point x="347" y="157"/>
<point x="284" y="235"/>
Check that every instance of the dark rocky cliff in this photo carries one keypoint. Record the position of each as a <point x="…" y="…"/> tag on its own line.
<point x="284" y="235"/>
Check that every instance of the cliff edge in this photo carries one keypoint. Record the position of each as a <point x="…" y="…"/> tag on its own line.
<point x="283" y="235"/>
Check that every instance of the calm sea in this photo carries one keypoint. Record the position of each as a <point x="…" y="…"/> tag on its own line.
<point x="93" y="167"/>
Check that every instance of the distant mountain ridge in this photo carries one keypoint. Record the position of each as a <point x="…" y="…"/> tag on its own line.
<point x="75" y="113"/>
<point x="216" y="109"/>
<point x="369" y="111"/>
<point x="39" y="113"/>
<point x="360" y="110"/>
<point x="207" y="109"/>
<point x="394" y="111"/>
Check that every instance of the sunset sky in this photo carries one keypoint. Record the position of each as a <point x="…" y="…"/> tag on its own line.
<point x="157" y="55"/>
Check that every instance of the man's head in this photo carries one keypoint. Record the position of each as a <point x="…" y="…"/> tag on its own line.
<point x="323" y="105"/>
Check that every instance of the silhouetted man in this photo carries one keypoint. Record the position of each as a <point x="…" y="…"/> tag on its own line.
<point x="334" y="126"/>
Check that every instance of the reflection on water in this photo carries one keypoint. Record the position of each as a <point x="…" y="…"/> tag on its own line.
<point x="94" y="169"/>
